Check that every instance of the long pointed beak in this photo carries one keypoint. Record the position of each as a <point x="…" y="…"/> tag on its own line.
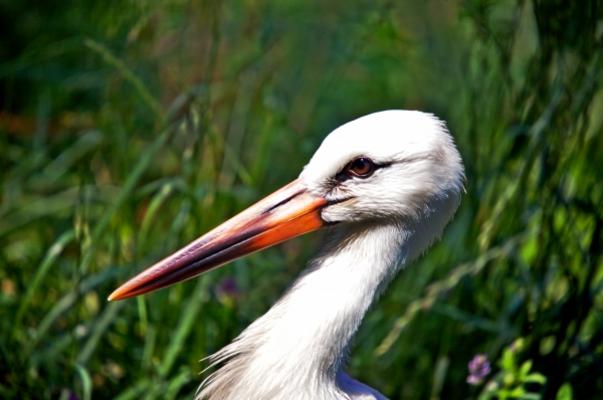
<point x="289" y="212"/>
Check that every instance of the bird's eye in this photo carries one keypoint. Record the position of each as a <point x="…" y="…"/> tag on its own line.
<point x="361" y="167"/>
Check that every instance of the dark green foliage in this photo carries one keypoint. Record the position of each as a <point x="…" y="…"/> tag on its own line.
<point x="129" y="128"/>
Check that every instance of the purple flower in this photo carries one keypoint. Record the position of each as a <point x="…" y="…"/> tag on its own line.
<point x="479" y="368"/>
<point x="227" y="290"/>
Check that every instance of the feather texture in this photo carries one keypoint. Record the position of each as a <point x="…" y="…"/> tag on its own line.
<point x="297" y="349"/>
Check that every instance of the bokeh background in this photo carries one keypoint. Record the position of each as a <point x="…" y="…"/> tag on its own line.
<point x="128" y="128"/>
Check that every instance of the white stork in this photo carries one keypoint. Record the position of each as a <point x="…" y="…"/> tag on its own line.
<point x="384" y="185"/>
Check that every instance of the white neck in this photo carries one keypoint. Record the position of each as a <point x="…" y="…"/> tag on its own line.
<point x="296" y="349"/>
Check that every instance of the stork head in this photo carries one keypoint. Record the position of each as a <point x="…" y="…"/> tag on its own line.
<point x="388" y="166"/>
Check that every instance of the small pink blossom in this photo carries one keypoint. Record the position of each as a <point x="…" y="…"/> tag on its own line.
<point x="479" y="368"/>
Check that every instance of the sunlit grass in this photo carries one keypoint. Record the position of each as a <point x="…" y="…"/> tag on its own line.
<point x="126" y="135"/>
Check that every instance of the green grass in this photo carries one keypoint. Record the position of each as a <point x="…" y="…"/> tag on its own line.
<point x="128" y="129"/>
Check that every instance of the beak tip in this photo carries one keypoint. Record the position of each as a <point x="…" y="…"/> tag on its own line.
<point x="114" y="296"/>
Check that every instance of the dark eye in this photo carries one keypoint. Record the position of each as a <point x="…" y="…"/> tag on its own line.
<point x="361" y="167"/>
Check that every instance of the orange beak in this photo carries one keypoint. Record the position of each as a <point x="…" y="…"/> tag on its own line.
<point x="289" y="212"/>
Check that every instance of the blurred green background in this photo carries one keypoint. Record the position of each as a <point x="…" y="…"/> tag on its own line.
<point x="128" y="128"/>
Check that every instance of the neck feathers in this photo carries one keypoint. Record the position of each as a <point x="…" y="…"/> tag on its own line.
<point x="296" y="349"/>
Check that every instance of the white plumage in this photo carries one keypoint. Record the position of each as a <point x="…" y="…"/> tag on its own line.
<point x="384" y="185"/>
<point x="297" y="349"/>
